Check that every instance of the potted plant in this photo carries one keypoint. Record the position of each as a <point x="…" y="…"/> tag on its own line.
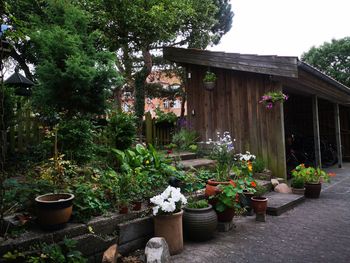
<point x="227" y="201"/>
<point x="269" y="99"/>
<point x="298" y="183"/>
<point x="199" y="218"/>
<point x="259" y="202"/>
<point x="54" y="210"/>
<point x="209" y="80"/>
<point x="168" y="213"/>
<point x="260" y="171"/>
<point x="313" y="177"/>
<point x="222" y="153"/>
<point x="124" y="191"/>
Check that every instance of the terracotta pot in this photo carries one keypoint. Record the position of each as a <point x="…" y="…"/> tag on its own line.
<point x="209" y="85"/>
<point x="313" y="190"/>
<point x="170" y="227"/>
<point x="54" y="210"/>
<point x="136" y="205"/>
<point x="211" y="188"/>
<point x="123" y="209"/>
<point x="259" y="204"/>
<point x="227" y="215"/>
<point x="199" y="223"/>
<point x="298" y="191"/>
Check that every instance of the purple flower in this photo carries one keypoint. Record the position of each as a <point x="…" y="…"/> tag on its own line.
<point x="269" y="105"/>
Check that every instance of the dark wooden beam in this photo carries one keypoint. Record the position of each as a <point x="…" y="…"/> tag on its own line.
<point x="316" y="128"/>
<point x="338" y="135"/>
<point x="270" y="65"/>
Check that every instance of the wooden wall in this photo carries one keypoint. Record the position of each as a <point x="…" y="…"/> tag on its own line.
<point x="234" y="106"/>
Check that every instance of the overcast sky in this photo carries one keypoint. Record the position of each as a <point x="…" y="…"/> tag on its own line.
<point x="285" y="27"/>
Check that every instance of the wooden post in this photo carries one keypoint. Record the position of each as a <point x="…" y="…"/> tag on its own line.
<point x="316" y="128"/>
<point x="338" y="135"/>
<point x="149" y="129"/>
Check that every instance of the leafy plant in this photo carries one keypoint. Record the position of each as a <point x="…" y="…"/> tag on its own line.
<point x="269" y="99"/>
<point x="197" y="204"/>
<point x="76" y="139"/>
<point x="209" y="77"/>
<point x="222" y="152"/>
<point x="258" y="165"/>
<point x="185" y="139"/>
<point x="53" y="253"/>
<point x="311" y="174"/>
<point x="260" y="190"/>
<point x="298" y="182"/>
<point x="165" y="117"/>
<point x="228" y="197"/>
<point x="122" y="129"/>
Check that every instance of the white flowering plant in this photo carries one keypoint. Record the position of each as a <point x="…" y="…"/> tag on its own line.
<point x="247" y="156"/>
<point x="169" y="202"/>
<point x="223" y="153"/>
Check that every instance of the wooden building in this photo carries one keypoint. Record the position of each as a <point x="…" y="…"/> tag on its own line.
<point x="317" y="105"/>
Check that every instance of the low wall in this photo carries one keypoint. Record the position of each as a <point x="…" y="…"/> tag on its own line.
<point x="130" y="231"/>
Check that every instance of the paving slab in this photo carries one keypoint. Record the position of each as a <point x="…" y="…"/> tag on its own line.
<point x="197" y="163"/>
<point x="183" y="155"/>
<point x="280" y="203"/>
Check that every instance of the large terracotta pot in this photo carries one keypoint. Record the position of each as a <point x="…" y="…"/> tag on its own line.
<point x="211" y="187"/>
<point x="54" y="210"/>
<point x="170" y="227"/>
<point x="227" y="215"/>
<point x="259" y="204"/>
<point x="199" y="223"/>
<point x="313" y="190"/>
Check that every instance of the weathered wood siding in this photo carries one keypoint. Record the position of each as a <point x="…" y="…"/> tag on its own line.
<point x="234" y="106"/>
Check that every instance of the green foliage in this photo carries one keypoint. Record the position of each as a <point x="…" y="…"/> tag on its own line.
<point x="53" y="253"/>
<point x="332" y="58"/>
<point x="165" y="117"/>
<point x="228" y="197"/>
<point x="75" y="139"/>
<point x="311" y="174"/>
<point x="122" y="129"/>
<point x="151" y="169"/>
<point x="74" y="77"/>
<point x="185" y="139"/>
<point x="298" y="182"/>
<point x="198" y="204"/>
<point x="89" y="199"/>
<point x="258" y="165"/>
<point x="209" y="77"/>
<point x="260" y="190"/>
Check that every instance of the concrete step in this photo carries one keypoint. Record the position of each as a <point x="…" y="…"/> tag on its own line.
<point x="280" y="203"/>
<point x="183" y="156"/>
<point x="197" y="163"/>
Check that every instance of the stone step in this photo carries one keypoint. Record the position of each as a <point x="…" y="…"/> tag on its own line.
<point x="197" y="163"/>
<point x="280" y="203"/>
<point x="183" y="156"/>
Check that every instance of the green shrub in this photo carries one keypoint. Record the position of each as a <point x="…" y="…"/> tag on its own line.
<point x="165" y="117"/>
<point x="198" y="204"/>
<point x="122" y="129"/>
<point x="75" y="139"/>
<point x="185" y="139"/>
<point x="258" y="165"/>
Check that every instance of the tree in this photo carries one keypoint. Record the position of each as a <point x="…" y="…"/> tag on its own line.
<point x="74" y="73"/>
<point x="332" y="59"/>
<point x="138" y="29"/>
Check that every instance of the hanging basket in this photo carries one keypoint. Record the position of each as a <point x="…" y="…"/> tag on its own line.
<point x="209" y="85"/>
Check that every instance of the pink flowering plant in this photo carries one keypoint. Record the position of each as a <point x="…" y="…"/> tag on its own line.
<point x="271" y="98"/>
<point x="169" y="202"/>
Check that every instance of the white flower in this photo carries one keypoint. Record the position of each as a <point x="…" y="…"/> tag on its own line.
<point x="168" y="201"/>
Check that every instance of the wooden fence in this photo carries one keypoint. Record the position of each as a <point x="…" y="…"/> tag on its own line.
<point x="24" y="132"/>
<point x="157" y="134"/>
